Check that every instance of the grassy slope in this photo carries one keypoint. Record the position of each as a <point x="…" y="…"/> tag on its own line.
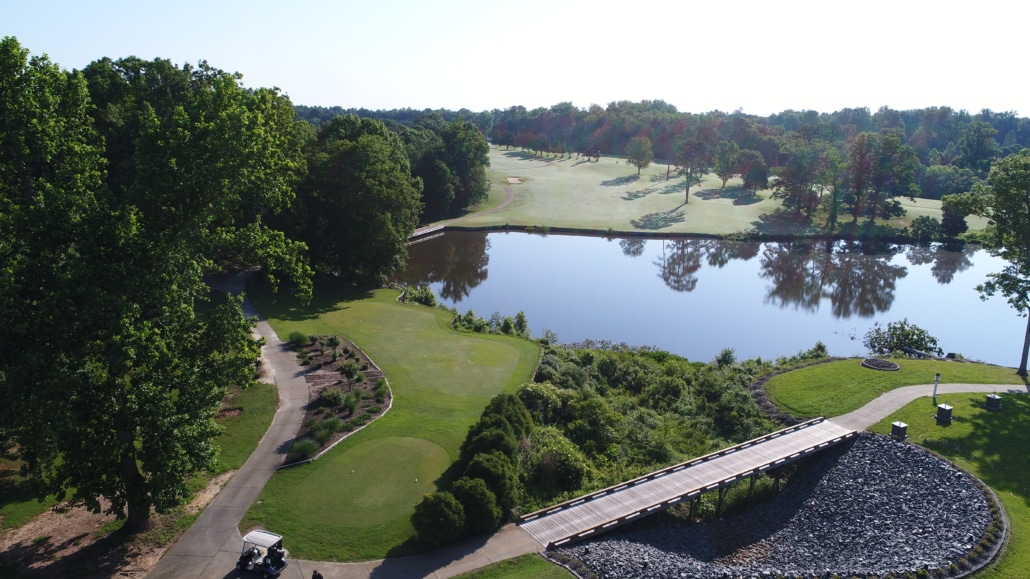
<point x="355" y="503"/>
<point x="839" y="387"/>
<point x="992" y="446"/>
<point x="609" y="195"/>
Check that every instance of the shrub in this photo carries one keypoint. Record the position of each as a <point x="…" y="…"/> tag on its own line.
<point x="500" y="477"/>
<point x="333" y="397"/>
<point x="925" y="229"/>
<point x="373" y="409"/>
<point x="351" y="402"/>
<point x="298" y="339"/>
<point x="899" y="336"/>
<point x="438" y="518"/>
<point x="360" y="377"/>
<point x="380" y="394"/>
<point x="331" y="424"/>
<point x="424" y="296"/>
<point x="482" y="515"/>
<point x="349" y="369"/>
<point x="303" y="448"/>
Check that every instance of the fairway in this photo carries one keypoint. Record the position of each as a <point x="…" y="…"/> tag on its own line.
<point x="608" y="196"/>
<point x="355" y="502"/>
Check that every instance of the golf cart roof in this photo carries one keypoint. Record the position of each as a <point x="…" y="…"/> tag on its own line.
<point x="262" y="538"/>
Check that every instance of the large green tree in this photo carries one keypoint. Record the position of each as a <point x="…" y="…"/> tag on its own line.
<point x="114" y="367"/>
<point x="359" y="202"/>
<point x="726" y="161"/>
<point x="1005" y="201"/>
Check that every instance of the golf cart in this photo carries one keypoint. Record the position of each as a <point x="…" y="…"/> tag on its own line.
<point x="263" y="553"/>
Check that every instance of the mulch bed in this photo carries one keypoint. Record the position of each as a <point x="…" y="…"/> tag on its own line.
<point x="324" y="422"/>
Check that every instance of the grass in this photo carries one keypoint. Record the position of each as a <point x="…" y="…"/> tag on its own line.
<point x="839" y="387"/>
<point x="992" y="446"/>
<point x="522" y="567"/>
<point x="608" y="195"/>
<point x="355" y="503"/>
<point x="244" y="431"/>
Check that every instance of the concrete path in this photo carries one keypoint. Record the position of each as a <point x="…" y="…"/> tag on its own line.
<point x="211" y="546"/>
<point x="889" y="402"/>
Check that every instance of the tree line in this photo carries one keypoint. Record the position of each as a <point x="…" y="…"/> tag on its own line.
<point x="852" y="162"/>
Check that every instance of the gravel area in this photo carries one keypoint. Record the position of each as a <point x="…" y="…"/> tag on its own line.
<point x="869" y="507"/>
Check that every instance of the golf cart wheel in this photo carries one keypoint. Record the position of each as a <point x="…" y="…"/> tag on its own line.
<point x="239" y="566"/>
<point x="265" y="575"/>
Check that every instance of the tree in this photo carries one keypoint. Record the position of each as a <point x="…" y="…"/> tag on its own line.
<point x="693" y="159"/>
<point x="753" y="170"/>
<point x="467" y="156"/>
<point x="639" y="153"/>
<point x="953" y="223"/>
<point x="726" y="162"/>
<point x="925" y="229"/>
<point x="359" y="202"/>
<point x="438" y="518"/>
<point x="796" y="178"/>
<point x="977" y="147"/>
<point x="482" y="515"/>
<point x="1005" y="201"/>
<point x="900" y="337"/>
<point x="112" y="375"/>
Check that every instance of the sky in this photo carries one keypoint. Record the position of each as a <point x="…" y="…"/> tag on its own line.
<point x="761" y="57"/>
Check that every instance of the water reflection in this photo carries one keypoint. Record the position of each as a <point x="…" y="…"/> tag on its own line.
<point x="858" y="279"/>
<point x="947" y="259"/>
<point x="458" y="262"/>
<point x="767" y="299"/>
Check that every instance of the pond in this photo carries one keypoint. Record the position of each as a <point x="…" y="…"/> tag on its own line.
<point x="694" y="297"/>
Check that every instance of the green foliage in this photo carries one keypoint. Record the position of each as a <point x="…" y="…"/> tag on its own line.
<point x="438" y="518"/>
<point x="925" y="229"/>
<point x="899" y="336"/>
<point x="497" y="324"/>
<point x="953" y="223"/>
<point x="639" y="152"/>
<point x="500" y="477"/>
<point x="298" y="339"/>
<point x="482" y="515"/>
<point x="359" y="193"/>
<point x="552" y="463"/>
<point x="351" y="402"/>
<point x="304" y="448"/>
<point x="423" y="295"/>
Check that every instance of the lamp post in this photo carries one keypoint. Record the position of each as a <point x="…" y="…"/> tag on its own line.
<point x="936" y="383"/>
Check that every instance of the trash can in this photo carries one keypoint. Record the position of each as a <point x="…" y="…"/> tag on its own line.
<point x="943" y="413"/>
<point x="899" y="430"/>
<point x="993" y="402"/>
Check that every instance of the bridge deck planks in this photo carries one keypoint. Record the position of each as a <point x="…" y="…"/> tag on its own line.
<point x="609" y="510"/>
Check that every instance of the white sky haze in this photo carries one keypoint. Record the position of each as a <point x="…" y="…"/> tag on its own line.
<point x="759" y="56"/>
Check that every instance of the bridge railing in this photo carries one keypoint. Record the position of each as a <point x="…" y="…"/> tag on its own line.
<point x="691" y="494"/>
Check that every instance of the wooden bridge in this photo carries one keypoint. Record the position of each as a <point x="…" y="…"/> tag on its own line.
<point x="600" y="511"/>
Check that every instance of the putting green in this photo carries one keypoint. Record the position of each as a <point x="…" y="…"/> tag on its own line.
<point x="389" y="475"/>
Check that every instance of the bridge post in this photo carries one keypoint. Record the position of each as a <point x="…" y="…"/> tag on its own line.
<point x="751" y="489"/>
<point x="718" y="506"/>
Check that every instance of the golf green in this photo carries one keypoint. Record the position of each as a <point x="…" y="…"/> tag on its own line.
<point x="372" y="482"/>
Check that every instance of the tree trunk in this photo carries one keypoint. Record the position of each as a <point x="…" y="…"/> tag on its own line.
<point x="137" y="516"/>
<point x="1026" y="349"/>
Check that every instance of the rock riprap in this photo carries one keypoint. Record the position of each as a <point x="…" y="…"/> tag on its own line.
<point x="869" y="507"/>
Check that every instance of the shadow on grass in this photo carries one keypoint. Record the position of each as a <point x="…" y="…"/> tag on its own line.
<point x="739" y="195"/>
<point x="996" y="441"/>
<point x="660" y="220"/>
<point x="329" y="295"/>
<point x="783" y="223"/>
<point x="620" y="181"/>
<point x="638" y="194"/>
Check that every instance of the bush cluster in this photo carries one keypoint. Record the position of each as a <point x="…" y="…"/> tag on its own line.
<point x="488" y="490"/>
<point x="497" y="324"/>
